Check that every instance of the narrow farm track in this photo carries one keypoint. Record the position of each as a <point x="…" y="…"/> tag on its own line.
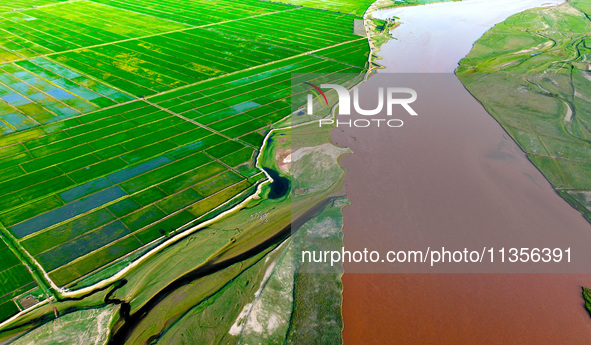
<point x="154" y="35"/>
<point x="116" y="137"/>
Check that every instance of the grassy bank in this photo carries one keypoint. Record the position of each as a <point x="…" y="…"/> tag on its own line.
<point x="532" y="74"/>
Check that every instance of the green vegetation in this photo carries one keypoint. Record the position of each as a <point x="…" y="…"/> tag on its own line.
<point x="106" y="164"/>
<point x="309" y="323"/>
<point x="217" y="306"/>
<point x="39" y="91"/>
<point x="419" y="2"/>
<point x="72" y="25"/>
<point x="342" y="6"/>
<point x="228" y="304"/>
<point x="217" y="299"/>
<point x="7" y="6"/>
<point x="150" y="65"/>
<point x="81" y="327"/>
<point x="353" y="53"/>
<point x="587" y="298"/>
<point x="106" y="190"/>
<point x="198" y="12"/>
<point x="15" y="279"/>
<point x="124" y="123"/>
<point x="271" y="307"/>
<point x="532" y="73"/>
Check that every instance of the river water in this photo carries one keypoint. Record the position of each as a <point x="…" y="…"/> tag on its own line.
<point x="435" y="37"/>
<point x="452" y="176"/>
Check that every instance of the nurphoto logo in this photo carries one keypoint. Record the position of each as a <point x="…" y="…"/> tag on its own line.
<point x="385" y="97"/>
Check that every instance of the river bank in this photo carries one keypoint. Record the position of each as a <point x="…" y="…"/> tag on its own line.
<point x="453" y="176"/>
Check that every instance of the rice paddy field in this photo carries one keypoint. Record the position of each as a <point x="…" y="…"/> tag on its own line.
<point x="160" y="63"/>
<point x="125" y="122"/>
<point x="72" y="25"/>
<point x="7" y="6"/>
<point x="39" y="91"/>
<point x="15" y="279"/>
<point x="343" y="6"/>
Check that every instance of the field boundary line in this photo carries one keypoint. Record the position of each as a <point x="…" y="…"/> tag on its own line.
<point x="102" y="17"/>
<point x="36" y="7"/>
<point x="146" y="99"/>
<point x="110" y="203"/>
<point x="145" y="245"/>
<point x="154" y="35"/>
<point x="57" y="87"/>
<point x="115" y="217"/>
<point x="226" y="166"/>
<point x="195" y="26"/>
<point x="67" y="293"/>
<point x="334" y="60"/>
<point x="35" y="32"/>
<point x="194" y="122"/>
<point x="133" y="98"/>
<point x="20" y="56"/>
<point x="64" y="292"/>
<point x="311" y="52"/>
<point x="38" y="273"/>
<point x="20" y="287"/>
<point x="132" y="11"/>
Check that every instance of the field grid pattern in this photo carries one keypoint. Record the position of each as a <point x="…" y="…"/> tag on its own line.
<point x="122" y="122"/>
<point x="38" y="91"/>
<point x="7" y="6"/>
<point x="15" y="279"/>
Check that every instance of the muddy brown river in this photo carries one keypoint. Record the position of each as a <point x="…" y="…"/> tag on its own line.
<point x="451" y="177"/>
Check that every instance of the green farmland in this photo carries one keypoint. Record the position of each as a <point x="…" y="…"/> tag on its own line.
<point x="7" y="6"/>
<point x="15" y="280"/>
<point x="125" y="122"/>
<point x="39" y="91"/>
<point x="156" y="64"/>
<point x="198" y="12"/>
<point x="343" y="6"/>
<point x="71" y="25"/>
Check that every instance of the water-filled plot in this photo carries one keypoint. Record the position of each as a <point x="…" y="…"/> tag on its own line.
<point x="244" y="105"/>
<point x="39" y="91"/>
<point x="89" y="174"/>
<point x="72" y="25"/>
<point x="159" y="63"/>
<point x="80" y="187"/>
<point x="15" y="279"/>
<point x="113" y="181"/>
